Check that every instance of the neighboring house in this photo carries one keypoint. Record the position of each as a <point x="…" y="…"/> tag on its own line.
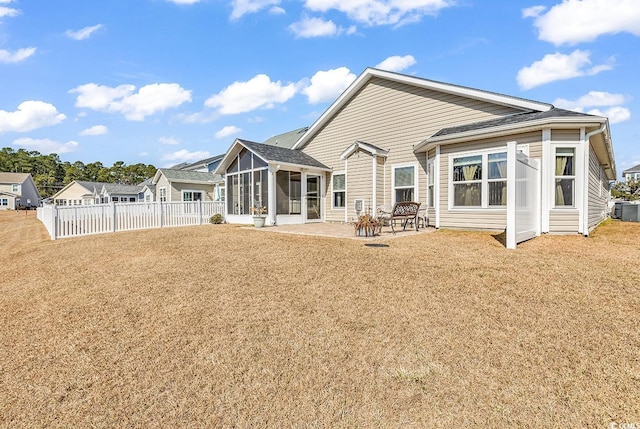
<point x="391" y="137"/>
<point x="288" y="139"/>
<point x="80" y="192"/>
<point x="117" y="193"/>
<point x="18" y="190"/>
<point x="632" y="173"/>
<point x="182" y="185"/>
<point x="205" y="165"/>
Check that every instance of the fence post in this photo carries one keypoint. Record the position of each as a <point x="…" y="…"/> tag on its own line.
<point x="113" y="217"/>
<point x="160" y="224"/>
<point x="200" y="212"/>
<point x="511" y="195"/>
<point x="54" y="223"/>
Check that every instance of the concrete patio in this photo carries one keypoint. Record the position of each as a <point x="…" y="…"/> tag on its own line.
<point x="341" y="230"/>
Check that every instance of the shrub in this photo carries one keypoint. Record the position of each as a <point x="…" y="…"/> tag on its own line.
<point x="216" y="219"/>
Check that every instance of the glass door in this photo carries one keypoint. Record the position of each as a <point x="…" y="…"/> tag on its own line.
<point x="313" y="198"/>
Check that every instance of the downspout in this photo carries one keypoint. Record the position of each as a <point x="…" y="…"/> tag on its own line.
<point x="585" y="184"/>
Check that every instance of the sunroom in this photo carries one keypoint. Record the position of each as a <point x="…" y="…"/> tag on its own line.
<point x="286" y="185"/>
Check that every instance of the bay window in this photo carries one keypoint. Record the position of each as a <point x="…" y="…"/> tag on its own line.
<point x="497" y="179"/>
<point x="479" y="180"/>
<point x="430" y="183"/>
<point x="565" y="177"/>
<point x="467" y="181"/>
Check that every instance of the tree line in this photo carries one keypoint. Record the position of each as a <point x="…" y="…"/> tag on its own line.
<point x="51" y="174"/>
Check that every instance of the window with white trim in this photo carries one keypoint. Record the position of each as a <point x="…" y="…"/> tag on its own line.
<point x="338" y="190"/>
<point x="188" y="196"/>
<point x="431" y="183"/>
<point x="4" y="202"/>
<point x="404" y="185"/>
<point x="497" y="179"/>
<point x="15" y="188"/>
<point x="467" y="181"/>
<point x="479" y="180"/>
<point x="565" y="177"/>
<point x="162" y="193"/>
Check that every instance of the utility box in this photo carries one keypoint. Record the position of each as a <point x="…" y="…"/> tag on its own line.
<point x="630" y="212"/>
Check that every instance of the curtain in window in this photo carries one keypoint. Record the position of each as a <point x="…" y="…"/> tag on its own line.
<point x="561" y="164"/>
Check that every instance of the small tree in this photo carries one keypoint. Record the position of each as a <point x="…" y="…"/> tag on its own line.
<point x="627" y="191"/>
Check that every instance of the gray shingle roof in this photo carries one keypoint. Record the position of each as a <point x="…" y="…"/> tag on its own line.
<point x="288" y="139"/>
<point x="117" y="188"/>
<point x="634" y="169"/>
<point x="13" y="177"/>
<point x="202" y="163"/>
<point x="91" y="185"/>
<point x="192" y="176"/>
<point x="509" y="120"/>
<point x="281" y="154"/>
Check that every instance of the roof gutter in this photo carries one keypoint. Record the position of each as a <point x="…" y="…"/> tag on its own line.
<point x="499" y="131"/>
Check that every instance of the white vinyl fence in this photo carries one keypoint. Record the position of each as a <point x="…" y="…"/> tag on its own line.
<point x="75" y="221"/>
<point x="523" y="197"/>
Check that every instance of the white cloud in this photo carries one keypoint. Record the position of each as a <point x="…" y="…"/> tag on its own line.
<point x="533" y="11"/>
<point x="227" y="131"/>
<point x="83" y="33"/>
<point x="243" y="7"/>
<point x="553" y="67"/>
<point x="328" y="85"/>
<point x="46" y="146"/>
<point x="258" y="92"/>
<point x="573" y="21"/>
<point x="587" y="102"/>
<point x="591" y="99"/>
<point x="17" y="56"/>
<point x="381" y="12"/>
<point x="30" y="116"/>
<point x="397" y="63"/>
<point x="96" y="130"/>
<point x="314" y="27"/>
<point x="8" y="11"/>
<point x="150" y="99"/>
<point x="184" y="155"/>
<point x="615" y="114"/>
<point x="171" y="140"/>
<point x="277" y="10"/>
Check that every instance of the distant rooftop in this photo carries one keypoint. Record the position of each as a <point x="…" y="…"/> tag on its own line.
<point x="288" y="139"/>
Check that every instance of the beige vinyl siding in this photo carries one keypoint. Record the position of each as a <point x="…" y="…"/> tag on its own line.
<point x="383" y="180"/>
<point x="74" y="193"/>
<point x="563" y="220"/>
<point x="484" y="218"/>
<point x="565" y="135"/>
<point x="598" y="191"/>
<point x="178" y="187"/>
<point x="395" y="117"/>
<point x="360" y="182"/>
<point x="163" y="183"/>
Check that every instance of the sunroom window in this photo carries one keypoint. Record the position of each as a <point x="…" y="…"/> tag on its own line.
<point x="247" y="179"/>
<point x="565" y="176"/>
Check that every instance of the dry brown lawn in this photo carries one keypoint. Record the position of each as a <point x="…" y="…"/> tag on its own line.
<point x="222" y="326"/>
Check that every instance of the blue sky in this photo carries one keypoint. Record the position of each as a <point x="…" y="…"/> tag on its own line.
<point x="167" y="81"/>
